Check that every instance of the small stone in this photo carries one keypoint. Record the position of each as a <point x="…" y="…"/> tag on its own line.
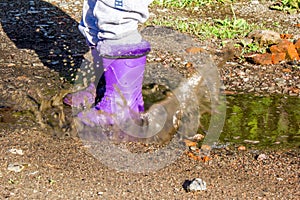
<point x="251" y="141"/>
<point x="265" y="37"/>
<point x="189" y="143"/>
<point x="262" y="157"/>
<point x="11" y="65"/>
<point x="100" y="193"/>
<point x="189" y="65"/>
<point x="193" y="148"/>
<point x="15" y="167"/>
<point x="198" y="137"/>
<point x="55" y="62"/>
<point x="37" y="64"/>
<point x="242" y="148"/>
<point x="64" y="4"/>
<point x="255" y="2"/>
<point x="205" y="147"/>
<point x="277" y="142"/>
<point x="77" y="2"/>
<point x="196" y="184"/>
<point x="16" y="151"/>
<point x="286" y="70"/>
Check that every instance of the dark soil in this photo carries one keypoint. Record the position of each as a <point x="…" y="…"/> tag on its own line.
<point x="40" y="53"/>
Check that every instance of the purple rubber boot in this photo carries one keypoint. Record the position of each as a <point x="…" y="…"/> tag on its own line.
<point x="124" y="67"/>
<point x="91" y="94"/>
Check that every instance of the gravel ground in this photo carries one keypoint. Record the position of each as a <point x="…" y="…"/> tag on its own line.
<point x="38" y="59"/>
<point x="63" y="169"/>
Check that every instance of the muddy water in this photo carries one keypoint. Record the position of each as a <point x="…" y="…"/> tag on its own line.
<point x="261" y="121"/>
<point x="256" y="121"/>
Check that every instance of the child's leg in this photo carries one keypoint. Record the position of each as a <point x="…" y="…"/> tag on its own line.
<point x="123" y="54"/>
<point x="107" y="23"/>
<point x="113" y="19"/>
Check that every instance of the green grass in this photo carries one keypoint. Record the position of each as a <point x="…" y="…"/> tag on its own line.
<point x="249" y="47"/>
<point x="221" y="29"/>
<point x="186" y="3"/>
<point x="228" y="28"/>
<point x="290" y="6"/>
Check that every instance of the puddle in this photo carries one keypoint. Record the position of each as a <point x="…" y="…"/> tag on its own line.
<point x="261" y="121"/>
<point x="257" y="121"/>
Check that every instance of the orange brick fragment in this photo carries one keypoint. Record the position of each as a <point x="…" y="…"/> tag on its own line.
<point x="278" y="57"/>
<point x="285" y="46"/>
<point x="194" y="50"/>
<point x="276" y="49"/>
<point x="263" y="59"/>
<point x="297" y="46"/>
<point x="292" y="53"/>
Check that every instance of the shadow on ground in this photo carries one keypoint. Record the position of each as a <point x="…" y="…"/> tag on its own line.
<point x="46" y="29"/>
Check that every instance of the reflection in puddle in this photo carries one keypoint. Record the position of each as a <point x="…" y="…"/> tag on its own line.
<point x="262" y="121"/>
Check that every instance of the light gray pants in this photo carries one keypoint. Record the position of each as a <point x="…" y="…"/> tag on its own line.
<point x="113" y="21"/>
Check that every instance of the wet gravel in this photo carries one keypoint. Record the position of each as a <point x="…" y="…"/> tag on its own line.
<point x="40" y="51"/>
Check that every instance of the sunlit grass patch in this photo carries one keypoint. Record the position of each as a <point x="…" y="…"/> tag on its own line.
<point x="221" y="29"/>
<point x="228" y="28"/>
<point x="186" y="3"/>
<point x="290" y="6"/>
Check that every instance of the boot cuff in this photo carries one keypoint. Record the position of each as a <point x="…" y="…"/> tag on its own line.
<point x="124" y="50"/>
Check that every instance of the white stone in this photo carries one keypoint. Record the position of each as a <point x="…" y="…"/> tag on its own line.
<point x="196" y="184"/>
